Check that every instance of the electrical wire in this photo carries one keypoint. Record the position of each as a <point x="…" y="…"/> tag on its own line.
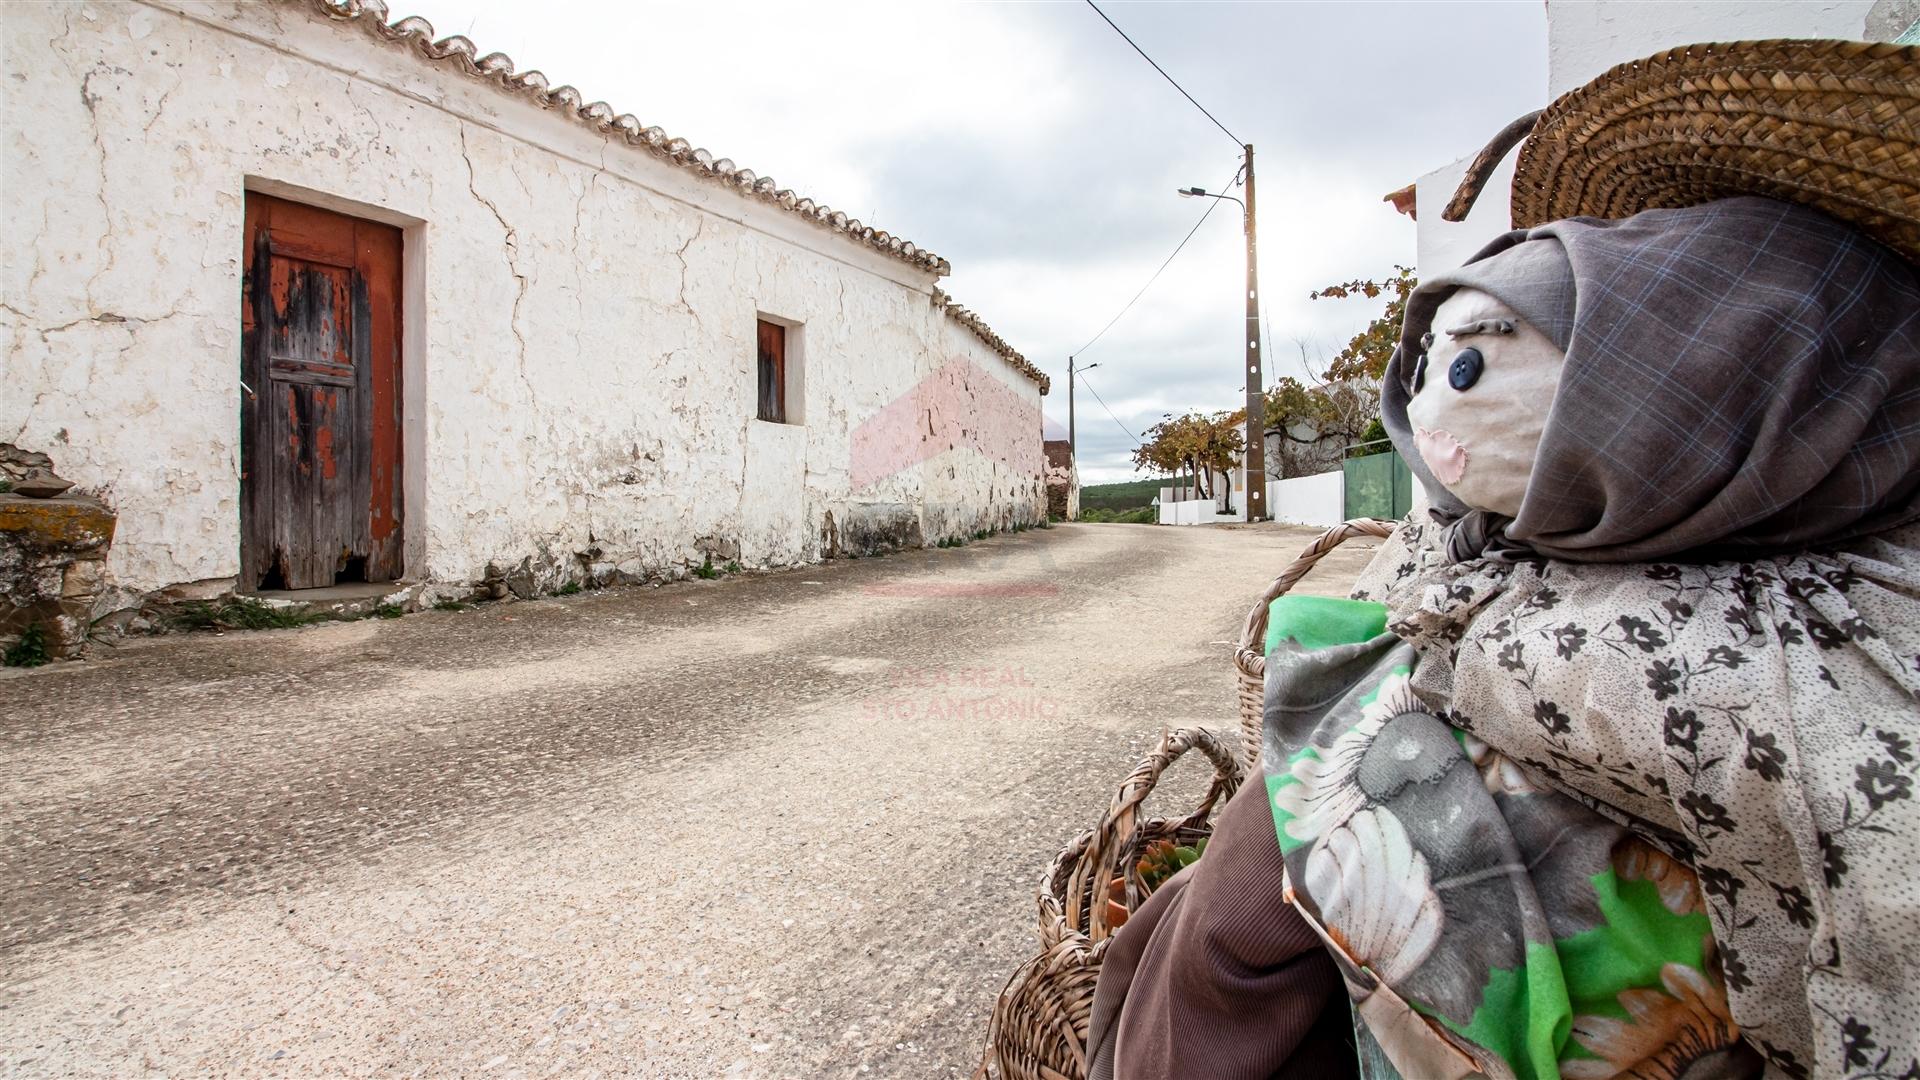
<point x="1164" y="75"/>
<point x="1103" y="405"/>
<point x="1163" y="266"/>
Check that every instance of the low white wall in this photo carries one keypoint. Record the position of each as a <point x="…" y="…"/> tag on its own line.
<point x="1202" y="510"/>
<point x="1310" y="500"/>
<point x="1301" y="500"/>
<point x="1196" y="512"/>
<point x="580" y="315"/>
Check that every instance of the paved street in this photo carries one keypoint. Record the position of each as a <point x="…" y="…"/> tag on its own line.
<point x="773" y="825"/>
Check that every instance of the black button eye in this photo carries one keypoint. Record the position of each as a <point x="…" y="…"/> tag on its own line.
<point x="1465" y="369"/>
<point x="1420" y="373"/>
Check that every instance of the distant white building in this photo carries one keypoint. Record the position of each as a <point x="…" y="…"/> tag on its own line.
<point x="309" y="297"/>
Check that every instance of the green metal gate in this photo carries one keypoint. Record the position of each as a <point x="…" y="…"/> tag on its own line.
<point x="1378" y="486"/>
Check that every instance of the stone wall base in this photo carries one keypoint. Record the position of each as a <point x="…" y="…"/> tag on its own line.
<point x="53" y="567"/>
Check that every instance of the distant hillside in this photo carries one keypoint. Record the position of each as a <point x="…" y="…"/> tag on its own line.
<point x="1127" y="496"/>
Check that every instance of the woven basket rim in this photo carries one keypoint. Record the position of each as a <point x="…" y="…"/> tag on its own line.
<point x="1777" y="115"/>
<point x="1040" y="1018"/>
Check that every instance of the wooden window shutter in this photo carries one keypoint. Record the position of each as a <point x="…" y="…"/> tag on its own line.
<point x="773" y="372"/>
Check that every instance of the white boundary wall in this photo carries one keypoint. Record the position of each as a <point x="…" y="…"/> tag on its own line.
<point x="1320" y="499"/>
<point x="1302" y="500"/>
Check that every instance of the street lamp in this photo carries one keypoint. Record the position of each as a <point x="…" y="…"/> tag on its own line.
<point x="1256" y="459"/>
<point x="1196" y="193"/>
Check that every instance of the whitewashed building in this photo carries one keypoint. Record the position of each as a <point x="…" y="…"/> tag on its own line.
<point x="308" y="297"/>
<point x="1587" y="37"/>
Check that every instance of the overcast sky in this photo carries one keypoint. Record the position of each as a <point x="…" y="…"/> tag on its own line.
<point x="1034" y="149"/>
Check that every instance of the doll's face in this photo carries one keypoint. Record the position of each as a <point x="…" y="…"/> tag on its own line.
<point x="1481" y="399"/>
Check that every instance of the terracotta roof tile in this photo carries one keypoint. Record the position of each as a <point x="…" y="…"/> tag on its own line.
<point x="1403" y="201"/>
<point x="461" y="54"/>
<point x="992" y="340"/>
<point x="497" y="68"/>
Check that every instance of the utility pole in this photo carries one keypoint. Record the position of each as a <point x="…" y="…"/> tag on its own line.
<point x="1256" y="454"/>
<point x="1073" y="444"/>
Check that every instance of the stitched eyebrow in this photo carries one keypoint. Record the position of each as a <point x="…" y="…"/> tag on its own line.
<point x="1482" y="326"/>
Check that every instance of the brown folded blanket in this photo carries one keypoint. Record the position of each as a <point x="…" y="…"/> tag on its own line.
<point x="1217" y="976"/>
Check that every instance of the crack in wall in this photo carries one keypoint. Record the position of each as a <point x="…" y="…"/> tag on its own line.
<point x="45" y="332"/>
<point x="105" y="244"/>
<point x="372" y="121"/>
<point x="579" y="257"/>
<point x="699" y="229"/>
<point x="510" y="244"/>
<point x="160" y="107"/>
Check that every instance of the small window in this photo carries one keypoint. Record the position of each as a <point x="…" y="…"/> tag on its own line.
<point x="773" y="372"/>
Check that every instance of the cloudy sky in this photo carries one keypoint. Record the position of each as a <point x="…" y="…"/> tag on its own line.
<point x="1032" y="147"/>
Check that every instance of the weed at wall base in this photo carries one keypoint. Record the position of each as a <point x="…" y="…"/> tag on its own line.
<point x="30" y="650"/>
<point x="237" y="613"/>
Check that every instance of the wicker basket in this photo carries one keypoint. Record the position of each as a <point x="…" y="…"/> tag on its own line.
<point x="1038" y="1030"/>
<point x="1250" y="658"/>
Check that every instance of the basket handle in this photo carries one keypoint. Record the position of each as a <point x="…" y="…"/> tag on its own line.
<point x="1113" y="838"/>
<point x="1252" y="635"/>
<point x="1250" y="657"/>
<point x="1484" y="163"/>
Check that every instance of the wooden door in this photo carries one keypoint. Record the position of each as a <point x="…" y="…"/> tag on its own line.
<point x="320" y="406"/>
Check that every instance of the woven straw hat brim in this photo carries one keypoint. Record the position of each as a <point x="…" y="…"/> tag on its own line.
<point x="1830" y="124"/>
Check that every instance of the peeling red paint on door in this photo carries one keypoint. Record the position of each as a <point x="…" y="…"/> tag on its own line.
<point x="320" y="438"/>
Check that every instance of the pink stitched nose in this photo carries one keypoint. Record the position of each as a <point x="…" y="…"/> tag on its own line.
<point x="1442" y="453"/>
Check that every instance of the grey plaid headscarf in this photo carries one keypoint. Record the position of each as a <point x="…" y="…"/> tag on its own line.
<point x="1741" y="377"/>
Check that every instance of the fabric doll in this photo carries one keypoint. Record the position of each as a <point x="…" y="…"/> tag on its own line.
<point x="1482" y="391"/>
<point x="1627" y="786"/>
<point x="1723" y="651"/>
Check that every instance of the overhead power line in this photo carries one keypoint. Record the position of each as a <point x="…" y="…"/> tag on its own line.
<point x="1211" y="204"/>
<point x="1164" y="75"/>
<point x="1103" y="405"/>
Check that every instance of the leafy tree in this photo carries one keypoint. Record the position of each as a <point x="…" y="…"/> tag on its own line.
<point x="1196" y="444"/>
<point x="1329" y="407"/>
<point x="1376" y="432"/>
<point x="1342" y="400"/>
<point x="1366" y="356"/>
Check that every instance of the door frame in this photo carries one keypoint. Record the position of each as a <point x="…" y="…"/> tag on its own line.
<point x="411" y="374"/>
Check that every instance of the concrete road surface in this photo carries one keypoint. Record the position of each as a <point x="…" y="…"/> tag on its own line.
<point x="773" y="825"/>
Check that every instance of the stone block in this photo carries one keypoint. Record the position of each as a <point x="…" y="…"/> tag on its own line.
<point x="52" y="568"/>
<point x="70" y="523"/>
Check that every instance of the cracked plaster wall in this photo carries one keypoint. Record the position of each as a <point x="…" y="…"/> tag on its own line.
<point x="581" y="392"/>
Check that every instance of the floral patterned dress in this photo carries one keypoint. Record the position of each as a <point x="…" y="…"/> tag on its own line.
<point x="1752" y="720"/>
<point x="1485" y="924"/>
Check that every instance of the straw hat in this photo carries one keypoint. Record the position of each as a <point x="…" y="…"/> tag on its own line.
<point x="1834" y="125"/>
